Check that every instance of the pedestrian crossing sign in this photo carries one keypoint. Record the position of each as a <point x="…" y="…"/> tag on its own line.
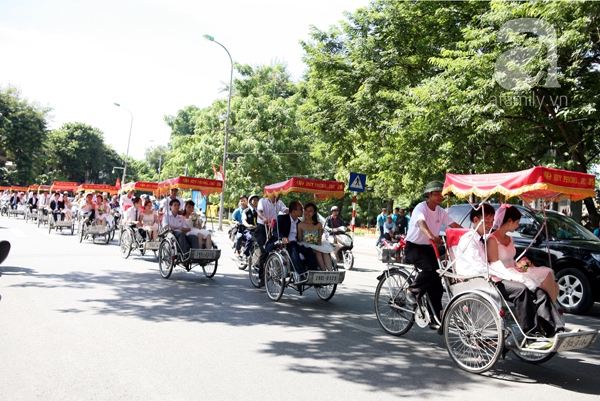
<point x="358" y="182"/>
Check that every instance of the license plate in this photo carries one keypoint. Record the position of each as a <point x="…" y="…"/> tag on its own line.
<point x="204" y="254"/>
<point x="575" y="342"/>
<point x="324" y="278"/>
<point x="152" y="246"/>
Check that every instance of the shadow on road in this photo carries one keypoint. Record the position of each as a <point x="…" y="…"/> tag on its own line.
<point x="350" y="344"/>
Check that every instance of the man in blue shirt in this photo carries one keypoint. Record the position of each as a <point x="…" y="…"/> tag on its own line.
<point x="381" y="219"/>
<point x="237" y="217"/>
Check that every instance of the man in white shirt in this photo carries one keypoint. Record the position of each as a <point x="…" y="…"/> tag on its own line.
<point x="176" y="222"/>
<point x="428" y="218"/>
<point x="165" y="204"/>
<point x="126" y="201"/>
<point x="267" y="210"/>
<point x="534" y="309"/>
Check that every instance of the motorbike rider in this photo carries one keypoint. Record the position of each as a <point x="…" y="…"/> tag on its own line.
<point x="249" y="220"/>
<point x="331" y="222"/>
<point x="237" y="218"/>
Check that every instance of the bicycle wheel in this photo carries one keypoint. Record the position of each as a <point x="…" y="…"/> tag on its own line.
<point x="125" y="243"/>
<point x="394" y="314"/>
<point x="166" y="258"/>
<point x="326" y="292"/>
<point x="274" y="277"/>
<point x="473" y="333"/>
<point x="210" y="269"/>
<point x="348" y="259"/>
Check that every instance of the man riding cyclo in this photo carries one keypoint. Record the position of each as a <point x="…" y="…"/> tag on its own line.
<point x="267" y="211"/>
<point x="180" y="230"/>
<point x="165" y="204"/>
<point x="426" y="223"/>
<point x="286" y="230"/>
<point x="237" y="217"/>
<point x="333" y="221"/>
<point x="249" y="221"/>
<point x="535" y="311"/>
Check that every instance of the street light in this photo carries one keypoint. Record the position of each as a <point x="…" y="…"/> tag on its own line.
<point x="212" y="39"/>
<point x="128" y="140"/>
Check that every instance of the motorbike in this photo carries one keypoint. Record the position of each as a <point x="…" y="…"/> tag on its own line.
<point x="233" y="230"/>
<point x="4" y="206"/>
<point x="340" y="236"/>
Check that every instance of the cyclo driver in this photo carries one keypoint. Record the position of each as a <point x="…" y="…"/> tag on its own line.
<point x="249" y="220"/>
<point x="267" y="210"/>
<point x="334" y="221"/>
<point x="425" y="225"/>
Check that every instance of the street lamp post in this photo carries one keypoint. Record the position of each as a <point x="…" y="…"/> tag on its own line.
<point x="128" y="140"/>
<point x="221" y="208"/>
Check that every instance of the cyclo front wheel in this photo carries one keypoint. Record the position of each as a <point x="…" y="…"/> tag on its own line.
<point x="395" y="315"/>
<point x="326" y="292"/>
<point x="125" y="242"/>
<point x="473" y="333"/>
<point x="166" y="256"/>
<point x="210" y="269"/>
<point x="534" y="358"/>
<point x="274" y="277"/>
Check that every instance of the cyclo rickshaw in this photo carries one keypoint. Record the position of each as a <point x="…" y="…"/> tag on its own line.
<point x="130" y="238"/>
<point x="170" y="253"/>
<point x="59" y="225"/>
<point x="4" y="206"/>
<point x="279" y="269"/>
<point x="21" y="209"/>
<point x="478" y="324"/>
<point x="42" y="212"/>
<point x="29" y="215"/>
<point x="89" y="229"/>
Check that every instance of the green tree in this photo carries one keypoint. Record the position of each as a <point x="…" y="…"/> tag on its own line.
<point x="23" y="131"/>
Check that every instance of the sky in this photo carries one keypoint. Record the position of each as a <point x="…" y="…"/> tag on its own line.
<point x="79" y="57"/>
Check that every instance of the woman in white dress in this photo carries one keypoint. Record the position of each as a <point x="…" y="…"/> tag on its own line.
<point x="68" y="206"/>
<point x="500" y="246"/>
<point x="194" y="222"/>
<point x="310" y="234"/>
<point x="149" y="220"/>
<point x="102" y="211"/>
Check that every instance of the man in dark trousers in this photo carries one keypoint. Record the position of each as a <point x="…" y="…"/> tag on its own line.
<point x="286" y="231"/>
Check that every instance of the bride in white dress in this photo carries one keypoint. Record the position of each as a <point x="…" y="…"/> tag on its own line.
<point x="501" y="247"/>
<point x="194" y="222"/>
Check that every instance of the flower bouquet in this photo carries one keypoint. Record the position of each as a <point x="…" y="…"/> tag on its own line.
<point x="524" y="264"/>
<point x="311" y="238"/>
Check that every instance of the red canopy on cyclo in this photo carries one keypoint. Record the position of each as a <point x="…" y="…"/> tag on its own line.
<point x="43" y="188"/>
<point x="63" y="186"/>
<point x="18" y="188"/>
<point x="536" y="183"/>
<point x="321" y="189"/>
<point x="204" y="185"/>
<point x="111" y="189"/>
<point x="33" y="187"/>
<point x="140" y="186"/>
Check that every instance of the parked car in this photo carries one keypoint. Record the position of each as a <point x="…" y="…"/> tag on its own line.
<point x="575" y="253"/>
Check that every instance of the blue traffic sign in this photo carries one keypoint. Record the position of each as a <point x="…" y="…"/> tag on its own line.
<point x="358" y="182"/>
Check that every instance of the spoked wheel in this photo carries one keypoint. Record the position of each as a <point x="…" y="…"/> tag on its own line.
<point x="210" y="269"/>
<point x="473" y="333"/>
<point x="72" y="228"/>
<point x="39" y="221"/>
<point x="49" y="227"/>
<point x="274" y="278"/>
<point x="125" y="244"/>
<point x="534" y="358"/>
<point x="81" y="232"/>
<point x="253" y="273"/>
<point x="394" y="314"/>
<point x="348" y="259"/>
<point x="326" y="292"/>
<point x="166" y="258"/>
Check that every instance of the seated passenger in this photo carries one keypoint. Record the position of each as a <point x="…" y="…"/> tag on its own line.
<point x="472" y="260"/>
<point x="181" y="231"/>
<point x="57" y="207"/>
<point x="68" y="206"/>
<point x="286" y="230"/>
<point x="102" y="210"/>
<point x="33" y="203"/>
<point x="388" y="229"/>
<point x="310" y="234"/>
<point x="194" y="222"/>
<point x="88" y="209"/>
<point x="149" y="220"/>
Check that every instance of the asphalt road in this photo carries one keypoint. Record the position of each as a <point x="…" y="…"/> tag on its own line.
<point x="78" y="322"/>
